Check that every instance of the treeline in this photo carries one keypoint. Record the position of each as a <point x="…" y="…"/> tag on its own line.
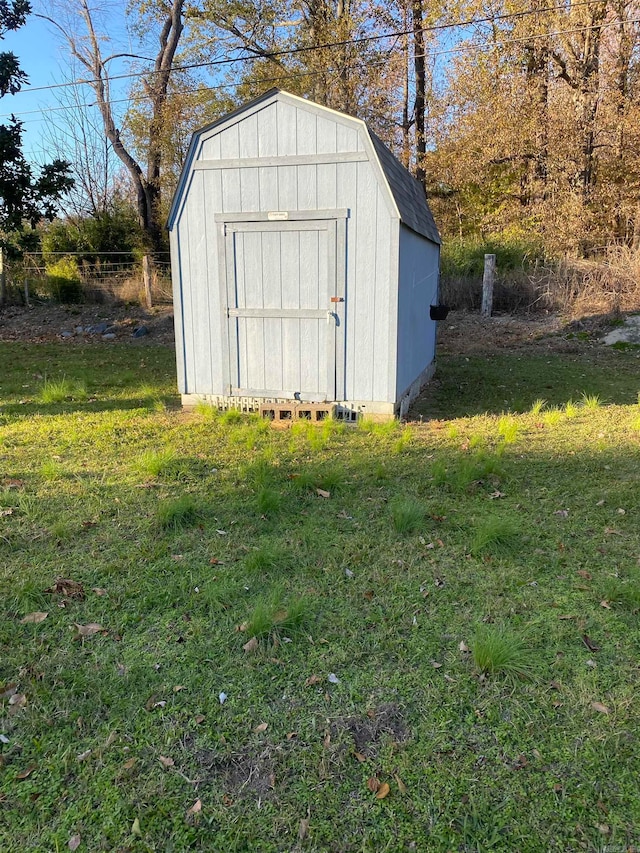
<point x="521" y="117"/>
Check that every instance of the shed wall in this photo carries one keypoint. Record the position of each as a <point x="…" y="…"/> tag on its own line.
<point x="280" y="129"/>
<point x="418" y="289"/>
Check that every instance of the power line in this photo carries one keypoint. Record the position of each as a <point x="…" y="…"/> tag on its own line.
<point x="310" y="48"/>
<point x="297" y="75"/>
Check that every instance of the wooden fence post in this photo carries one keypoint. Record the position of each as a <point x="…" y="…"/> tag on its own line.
<point x="146" y="278"/>
<point x="487" y="285"/>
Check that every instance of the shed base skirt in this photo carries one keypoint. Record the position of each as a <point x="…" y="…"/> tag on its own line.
<point x="348" y="411"/>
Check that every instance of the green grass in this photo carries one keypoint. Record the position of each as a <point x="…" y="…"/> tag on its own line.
<point x="406" y="515"/>
<point x="448" y="652"/>
<point x="498" y="651"/>
<point x="60" y="390"/>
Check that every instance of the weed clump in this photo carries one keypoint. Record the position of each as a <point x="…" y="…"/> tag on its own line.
<point x="498" y="651"/>
<point x="273" y="617"/>
<point x="495" y="536"/>
<point x="177" y="513"/>
<point x="407" y="515"/>
<point x="62" y="390"/>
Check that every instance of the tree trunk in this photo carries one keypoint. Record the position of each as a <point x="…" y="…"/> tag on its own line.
<point x="419" y="62"/>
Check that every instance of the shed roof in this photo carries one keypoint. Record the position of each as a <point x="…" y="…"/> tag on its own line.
<point x="406" y="192"/>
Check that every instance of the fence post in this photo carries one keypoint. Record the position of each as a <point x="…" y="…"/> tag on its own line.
<point x="3" y="279"/>
<point x="487" y="285"/>
<point x="146" y="278"/>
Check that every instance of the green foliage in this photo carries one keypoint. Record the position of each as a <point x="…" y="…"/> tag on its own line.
<point x="64" y="282"/>
<point x="93" y="239"/>
<point x="464" y="256"/>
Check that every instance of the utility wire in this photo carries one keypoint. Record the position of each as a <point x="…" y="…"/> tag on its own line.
<point x="310" y="48"/>
<point x="489" y="45"/>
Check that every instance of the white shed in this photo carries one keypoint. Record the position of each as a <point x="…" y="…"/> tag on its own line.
<point x="305" y="260"/>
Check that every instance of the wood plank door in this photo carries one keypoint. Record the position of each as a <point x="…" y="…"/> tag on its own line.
<point x="284" y="328"/>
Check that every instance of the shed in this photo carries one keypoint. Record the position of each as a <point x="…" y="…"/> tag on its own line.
<point x="305" y="260"/>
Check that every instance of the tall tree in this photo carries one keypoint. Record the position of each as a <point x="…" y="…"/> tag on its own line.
<point x="25" y="197"/>
<point x="86" y="44"/>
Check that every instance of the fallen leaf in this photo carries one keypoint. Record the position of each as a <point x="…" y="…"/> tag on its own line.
<point x="215" y="562"/>
<point x="221" y="532"/>
<point x="621" y="511"/>
<point x="435" y="664"/>
<point x="604" y="829"/>
<point x="166" y="762"/>
<point x="303" y="828"/>
<point x="4" y="739"/>
<point x="99" y="590"/>
<point x="25" y="773"/>
<point x="562" y="513"/>
<point x="74" y="842"/>
<point x="86" y="631"/>
<point x="401" y="786"/>
<point x="382" y="791"/>
<point x="226" y="800"/>
<point x="313" y="679"/>
<point x="10" y="483"/>
<point x="199" y="718"/>
<point x="590" y="644"/>
<point x="361" y="758"/>
<point x="196" y="808"/>
<point x="261" y="727"/>
<point x="83" y="755"/>
<point x="129" y="764"/>
<point x="34" y="618"/>
<point x="178" y="688"/>
<point x="327" y="740"/>
<point x="16" y="702"/>
<point x="557" y="788"/>
<point x="464" y="648"/>
<point x="349" y="573"/>
<point x="496" y="495"/>
<point x="584" y="574"/>
<point x="68" y="588"/>
<point x="602" y="709"/>
<point x="332" y="678"/>
<point x="611" y="531"/>
<point x="8" y="690"/>
<point x="605" y="604"/>
<point x="322" y="493"/>
<point x="252" y="645"/>
<point x="567" y="617"/>
<point x="4" y="512"/>
<point x="373" y="784"/>
<point x="135" y="828"/>
<point x="592" y="664"/>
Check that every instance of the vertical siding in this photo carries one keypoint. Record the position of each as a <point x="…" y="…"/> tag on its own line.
<point x="282" y="129"/>
<point x="418" y="289"/>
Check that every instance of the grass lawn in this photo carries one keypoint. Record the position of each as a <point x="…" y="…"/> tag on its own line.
<point x="379" y="638"/>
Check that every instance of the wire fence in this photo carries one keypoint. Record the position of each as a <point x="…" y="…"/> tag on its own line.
<point x="84" y="277"/>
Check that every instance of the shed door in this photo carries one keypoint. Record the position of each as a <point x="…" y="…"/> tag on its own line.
<point x="282" y="308"/>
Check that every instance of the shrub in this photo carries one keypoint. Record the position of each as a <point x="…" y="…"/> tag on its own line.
<point x="63" y="281"/>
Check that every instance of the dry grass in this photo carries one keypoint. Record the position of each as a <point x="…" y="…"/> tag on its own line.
<point x="574" y="287"/>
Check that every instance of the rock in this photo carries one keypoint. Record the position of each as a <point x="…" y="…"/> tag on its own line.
<point x="98" y="329"/>
<point x="79" y="330"/>
<point x="66" y="334"/>
<point x="110" y="336"/>
<point x="140" y="332"/>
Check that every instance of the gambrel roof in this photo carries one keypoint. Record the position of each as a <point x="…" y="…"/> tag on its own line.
<point x="405" y="193"/>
